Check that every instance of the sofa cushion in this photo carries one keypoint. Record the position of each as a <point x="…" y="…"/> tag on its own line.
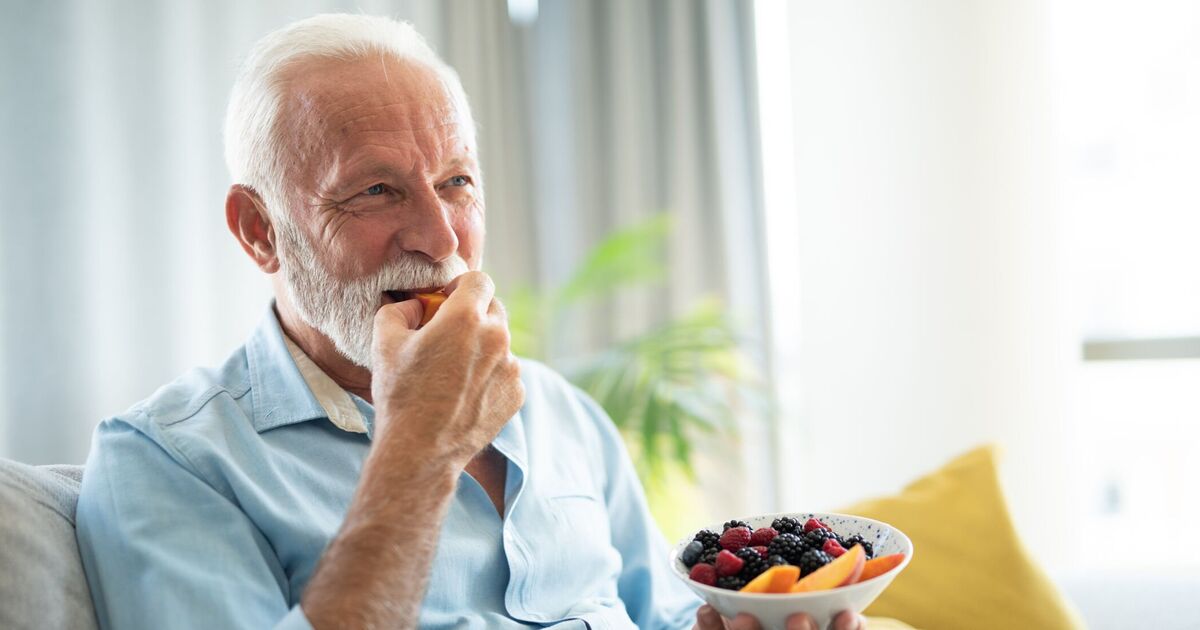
<point x="42" y="584"/>
<point x="969" y="568"/>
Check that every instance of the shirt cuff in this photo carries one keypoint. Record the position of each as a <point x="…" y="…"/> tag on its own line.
<point x="295" y="620"/>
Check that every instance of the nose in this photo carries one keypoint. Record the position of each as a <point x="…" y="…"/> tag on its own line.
<point x="431" y="232"/>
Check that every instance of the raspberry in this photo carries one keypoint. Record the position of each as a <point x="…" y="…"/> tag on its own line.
<point x="833" y="548"/>
<point x="754" y="563"/>
<point x="812" y="560"/>
<point x="731" y="582"/>
<point x="762" y="536"/>
<point x="789" y="546"/>
<point x="817" y="537"/>
<point x="812" y="524"/>
<point x="762" y="550"/>
<point x="735" y="538"/>
<point x="858" y="540"/>
<point x="787" y="525"/>
<point x="708" y="538"/>
<point x="691" y="553"/>
<point x="728" y="564"/>
<point x="736" y="523"/>
<point x="704" y="574"/>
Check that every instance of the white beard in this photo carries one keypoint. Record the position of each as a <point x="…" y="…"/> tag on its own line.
<point x="344" y="311"/>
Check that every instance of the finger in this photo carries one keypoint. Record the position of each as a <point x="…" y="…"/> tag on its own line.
<point x="744" y="622"/>
<point x="406" y="314"/>
<point x="473" y="290"/>
<point x="707" y="618"/>
<point x="801" y="621"/>
<point x="847" y="620"/>
<point x="496" y="309"/>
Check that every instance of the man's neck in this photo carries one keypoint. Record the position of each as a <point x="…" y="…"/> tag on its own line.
<point x="319" y="348"/>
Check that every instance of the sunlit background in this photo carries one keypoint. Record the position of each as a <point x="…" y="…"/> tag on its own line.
<point x="931" y="224"/>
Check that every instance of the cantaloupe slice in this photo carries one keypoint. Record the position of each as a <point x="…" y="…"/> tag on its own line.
<point x="880" y="565"/>
<point x="844" y="570"/>
<point x="777" y="579"/>
<point x="430" y="303"/>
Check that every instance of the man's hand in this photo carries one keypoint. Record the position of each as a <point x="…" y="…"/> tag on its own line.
<point x="707" y="618"/>
<point x="441" y="395"/>
<point x="446" y="390"/>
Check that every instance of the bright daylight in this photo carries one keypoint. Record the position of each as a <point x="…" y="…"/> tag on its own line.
<point x="600" y="314"/>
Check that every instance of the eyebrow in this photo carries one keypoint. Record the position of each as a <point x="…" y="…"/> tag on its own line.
<point x="460" y="162"/>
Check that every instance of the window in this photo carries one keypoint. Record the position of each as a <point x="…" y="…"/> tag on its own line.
<point x="1127" y="77"/>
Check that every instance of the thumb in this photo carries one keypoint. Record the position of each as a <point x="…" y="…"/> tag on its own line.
<point x="406" y="314"/>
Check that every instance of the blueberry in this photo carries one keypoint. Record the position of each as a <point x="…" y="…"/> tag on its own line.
<point x="691" y="553"/>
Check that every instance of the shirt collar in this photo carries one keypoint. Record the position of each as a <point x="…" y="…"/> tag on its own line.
<point x="280" y="394"/>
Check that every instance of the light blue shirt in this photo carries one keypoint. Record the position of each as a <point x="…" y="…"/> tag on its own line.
<point x="209" y="504"/>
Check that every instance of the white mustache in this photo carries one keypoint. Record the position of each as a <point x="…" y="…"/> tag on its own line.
<point x="413" y="271"/>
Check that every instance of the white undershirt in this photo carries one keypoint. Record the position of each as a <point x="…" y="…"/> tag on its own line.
<point x="342" y="411"/>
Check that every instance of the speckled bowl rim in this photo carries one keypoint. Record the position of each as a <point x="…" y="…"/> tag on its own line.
<point x="677" y="566"/>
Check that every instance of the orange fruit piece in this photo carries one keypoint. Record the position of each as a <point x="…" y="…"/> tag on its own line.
<point x="880" y="565"/>
<point x="777" y="579"/>
<point x="430" y="303"/>
<point x="842" y="571"/>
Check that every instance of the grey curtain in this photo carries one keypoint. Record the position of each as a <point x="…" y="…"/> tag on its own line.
<point x="116" y="270"/>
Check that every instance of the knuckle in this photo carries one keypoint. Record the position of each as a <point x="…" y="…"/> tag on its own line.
<point x="494" y="340"/>
<point x="471" y="318"/>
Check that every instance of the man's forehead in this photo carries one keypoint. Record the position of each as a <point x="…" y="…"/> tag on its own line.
<point x="378" y="93"/>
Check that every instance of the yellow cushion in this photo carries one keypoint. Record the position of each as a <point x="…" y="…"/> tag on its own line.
<point x="969" y="569"/>
<point x="880" y="623"/>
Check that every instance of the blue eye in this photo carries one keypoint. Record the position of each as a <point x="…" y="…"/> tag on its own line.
<point x="377" y="189"/>
<point x="459" y="180"/>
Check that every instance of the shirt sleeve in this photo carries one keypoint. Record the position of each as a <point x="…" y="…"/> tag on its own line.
<point x="653" y="597"/>
<point x="162" y="548"/>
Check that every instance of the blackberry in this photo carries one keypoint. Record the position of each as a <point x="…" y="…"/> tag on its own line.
<point x="789" y="546"/>
<point x="788" y="525"/>
<point x="708" y="538"/>
<point x="731" y="582"/>
<point x="754" y="563"/>
<point x="709" y="556"/>
<point x="774" y="561"/>
<point x="736" y="523"/>
<point x="858" y="540"/>
<point x="817" y="537"/>
<point x="691" y="553"/>
<point x="812" y="560"/>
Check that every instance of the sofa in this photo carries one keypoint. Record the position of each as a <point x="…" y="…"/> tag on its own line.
<point x="42" y="584"/>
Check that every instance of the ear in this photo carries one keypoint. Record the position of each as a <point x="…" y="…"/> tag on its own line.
<point x="246" y="215"/>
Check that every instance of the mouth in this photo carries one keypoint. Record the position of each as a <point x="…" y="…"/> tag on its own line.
<point x="397" y="295"/>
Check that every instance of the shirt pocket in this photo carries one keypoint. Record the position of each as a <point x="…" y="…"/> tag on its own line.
<point x="580" y="565"/>
<point x="577" y="514"/>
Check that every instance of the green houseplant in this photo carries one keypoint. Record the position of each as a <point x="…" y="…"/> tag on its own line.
<point x="665" y="387"/>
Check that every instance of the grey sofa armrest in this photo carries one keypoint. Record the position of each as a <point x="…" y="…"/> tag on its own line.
<point x="42" y="584"/>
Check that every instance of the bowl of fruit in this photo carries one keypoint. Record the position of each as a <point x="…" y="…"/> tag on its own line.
<point x="776" y="565"/>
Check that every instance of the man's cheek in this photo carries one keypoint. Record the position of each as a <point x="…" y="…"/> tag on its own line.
<point x="470" y="232"/>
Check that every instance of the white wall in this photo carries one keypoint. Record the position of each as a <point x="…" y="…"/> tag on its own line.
<point x="929" y="312"/>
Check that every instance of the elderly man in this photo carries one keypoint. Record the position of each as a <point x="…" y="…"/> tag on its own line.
<point x="345" y="469"/>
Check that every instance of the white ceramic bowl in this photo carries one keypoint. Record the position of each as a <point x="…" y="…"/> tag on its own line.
<point x="773" y="609"/>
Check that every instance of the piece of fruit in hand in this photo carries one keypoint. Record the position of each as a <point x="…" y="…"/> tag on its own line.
<point x="430" y="303"/>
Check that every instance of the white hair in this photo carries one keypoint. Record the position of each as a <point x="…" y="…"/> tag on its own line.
<point x="254" y="151"/>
